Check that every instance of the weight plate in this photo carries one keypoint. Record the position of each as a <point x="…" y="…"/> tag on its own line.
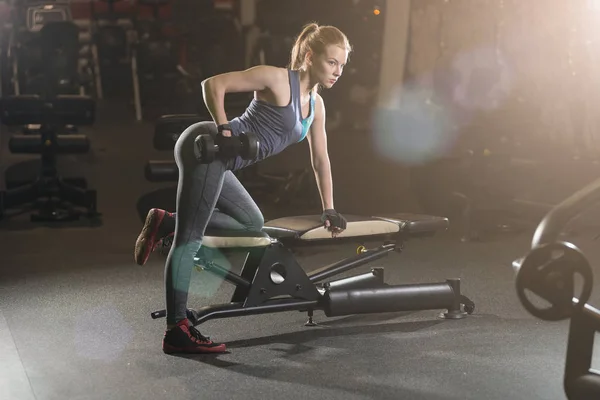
<point x="549" y="271"/>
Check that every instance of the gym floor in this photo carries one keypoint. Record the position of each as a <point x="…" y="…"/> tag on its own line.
<point x="75" y="324"/>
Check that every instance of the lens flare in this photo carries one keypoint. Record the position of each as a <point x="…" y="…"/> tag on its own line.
<point x="412" y="129"/>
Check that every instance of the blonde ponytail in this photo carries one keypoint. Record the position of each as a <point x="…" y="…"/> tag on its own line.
<point x="315" y="38"/>
<point x="301" y="45"/>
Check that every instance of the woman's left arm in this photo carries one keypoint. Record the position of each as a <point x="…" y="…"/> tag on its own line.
<point x="317" y="140"/>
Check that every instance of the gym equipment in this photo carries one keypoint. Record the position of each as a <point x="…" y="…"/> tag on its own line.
<point x="111" y="33"/>
<point x="549" y="271"/>
<point x="51" y="114"/>
<point x="42" y="13"/>
<point x="168" y="128"/>
<point x="271" y="280"/>
<point x="44" y="48"/>
<point x="25" y="47"/>
<point x="207" y="148"/>
<point x="226" y="48"/>
<point x="161" y="171"/>
<point x="154" y="55"/>
<point x="60" y="56"/>
<point x="32" y="15"/>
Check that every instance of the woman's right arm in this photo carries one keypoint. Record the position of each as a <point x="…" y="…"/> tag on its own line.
<point x="253" y="79"/>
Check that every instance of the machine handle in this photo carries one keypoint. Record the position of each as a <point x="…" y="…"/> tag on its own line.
<point x="553" y="223"/>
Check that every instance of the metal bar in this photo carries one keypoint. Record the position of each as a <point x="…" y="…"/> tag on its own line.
<point x="580" y="346"/>
<point x="136" y="87"/>
<point x="553" y="223"/>
<point x="371" y="279"/>
<point x="229" y="276"/>
<point x="351" y="263"/>
<point x="591" y="313"/>
<point x="236" y="310"/>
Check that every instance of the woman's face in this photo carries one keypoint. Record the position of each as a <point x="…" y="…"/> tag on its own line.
<point x="326" y="68"/>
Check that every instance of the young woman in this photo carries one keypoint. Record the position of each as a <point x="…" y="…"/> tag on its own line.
<point x="286" y="109"/>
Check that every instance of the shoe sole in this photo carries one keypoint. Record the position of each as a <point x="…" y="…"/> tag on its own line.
<point x="194" y="350"/>
<point x="144" y="242"/>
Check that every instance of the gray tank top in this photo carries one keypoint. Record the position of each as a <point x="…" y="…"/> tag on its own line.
<point x="277" y="127"/>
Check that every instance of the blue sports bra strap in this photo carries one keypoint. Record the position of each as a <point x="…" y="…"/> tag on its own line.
<point x="306" y="123"/>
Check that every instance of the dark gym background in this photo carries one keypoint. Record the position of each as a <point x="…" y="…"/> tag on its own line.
<point x="489" y="118"/>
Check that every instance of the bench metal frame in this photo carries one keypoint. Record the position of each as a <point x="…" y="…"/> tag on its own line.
<point x="271" y="280"/>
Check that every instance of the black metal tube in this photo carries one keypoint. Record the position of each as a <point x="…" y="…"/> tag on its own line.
<point x="350" y="263"/>
<point x="72" y="193"/>
<point x="229" y="276"/>
<point x="553" y="223"/>
<point x="585" y="387"/>
<point x="230" y="310"/>
<point x="161" y="171"/>
<point x="579" y="381"/>
<point x="227" y="310"/>
<point x="580" y="347"/>
<point x="34" y="144"/>
<point x="368" y="280"/>
<point x="389" y="299"/>
<point x="591" y="313"/>
<point x="20" y="195"/>
<point x="454" y="285"/>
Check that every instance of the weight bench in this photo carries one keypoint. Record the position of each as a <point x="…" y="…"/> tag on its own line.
<point x="167" y="130"/>
<point x="271" y="280"/>
<point x="56" y="198"/>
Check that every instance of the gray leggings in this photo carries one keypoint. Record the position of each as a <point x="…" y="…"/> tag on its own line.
<point x="201" y="188"/>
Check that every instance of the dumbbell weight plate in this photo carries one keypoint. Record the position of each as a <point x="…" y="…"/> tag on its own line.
<point x="204" y="149"/>
<point x="250" y="146"/>
<point x="548" y="272"/>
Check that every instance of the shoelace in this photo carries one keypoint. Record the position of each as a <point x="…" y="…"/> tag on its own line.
<point x="197" y="335"/>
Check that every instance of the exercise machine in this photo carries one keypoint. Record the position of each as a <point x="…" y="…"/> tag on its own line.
<point x="112" y="35"/>
<point x="549" y="271"/>
<point x="32" y="35"/>
<point x="154" y="57"/>
<point x="63" y="196"/>
<point x="271" y="280"/>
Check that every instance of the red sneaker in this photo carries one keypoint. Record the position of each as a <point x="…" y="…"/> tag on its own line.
<point x="150" y="236"/>
<point x="184" y="338"/>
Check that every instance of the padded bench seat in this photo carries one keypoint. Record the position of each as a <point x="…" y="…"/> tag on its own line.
<point x="222" y="239"/>
<point x="310" y="228"/>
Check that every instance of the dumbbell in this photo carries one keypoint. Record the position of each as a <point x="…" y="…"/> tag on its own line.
<point x="207" y="147"/>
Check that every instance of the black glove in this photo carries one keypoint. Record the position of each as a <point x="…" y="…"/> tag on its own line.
<point x="335" y="219"/>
